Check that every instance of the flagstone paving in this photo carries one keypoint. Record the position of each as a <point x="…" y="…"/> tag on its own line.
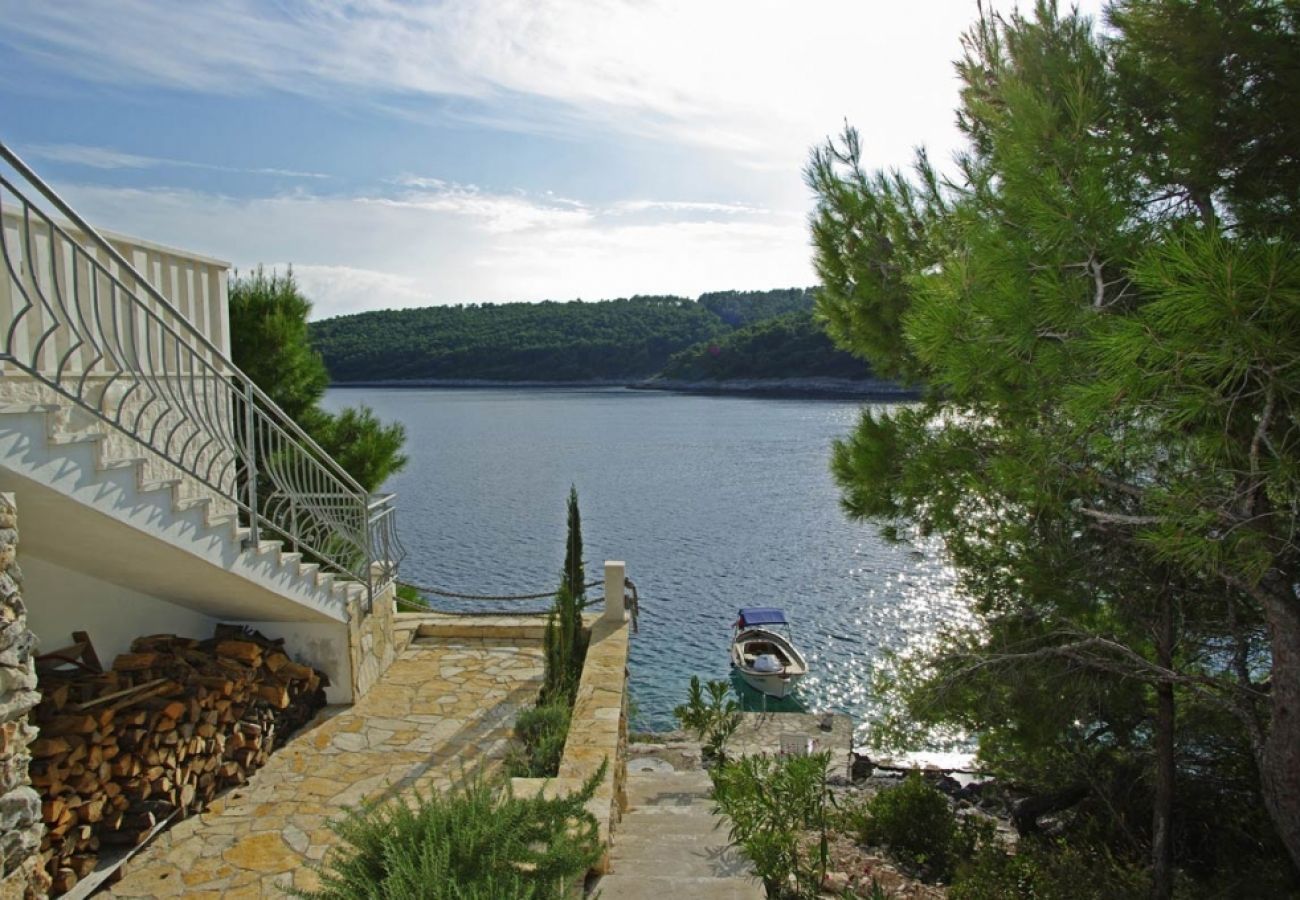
<point x="443" y="708"/>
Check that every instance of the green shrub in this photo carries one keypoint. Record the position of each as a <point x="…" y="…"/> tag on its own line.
<point x="541" y="732"/>
<point x="410" y="600"/>
<point x="916" y="822"/>
<point x="476" y="842"/>
<point x="780" y="814"/>
<point x="1048" y="871"/>
<point x="714" y="721"/>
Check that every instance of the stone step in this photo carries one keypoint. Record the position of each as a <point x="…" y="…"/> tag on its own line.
<point x="640" y="887"/>
<point x="679" y="831"/>
<point x="653" y="859"/>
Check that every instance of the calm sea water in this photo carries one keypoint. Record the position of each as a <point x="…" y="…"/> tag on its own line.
<point x="713" y="502"/>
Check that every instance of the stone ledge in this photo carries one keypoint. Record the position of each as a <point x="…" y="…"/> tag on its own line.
<point x="597" y="732"/>
<point x="451" y="625"/>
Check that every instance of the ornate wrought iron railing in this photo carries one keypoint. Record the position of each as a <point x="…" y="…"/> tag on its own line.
<point x="78" y="318"/>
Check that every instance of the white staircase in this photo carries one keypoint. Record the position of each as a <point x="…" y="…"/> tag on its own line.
<point x="96" y="511"/>
<point x="132" y="435"/>
<point x="670" y="844"/>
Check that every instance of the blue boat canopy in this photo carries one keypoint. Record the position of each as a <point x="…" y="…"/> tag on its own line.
<point x="761" y="615"/>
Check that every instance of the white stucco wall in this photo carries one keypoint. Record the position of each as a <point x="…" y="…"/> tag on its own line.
<point x="62" y="600"/>
<point x="322" y="646"/>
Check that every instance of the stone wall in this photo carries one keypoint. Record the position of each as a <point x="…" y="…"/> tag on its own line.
<point x="20" y="806"/>
<point x="372" y="640"/>
<point x="597" y="731"/>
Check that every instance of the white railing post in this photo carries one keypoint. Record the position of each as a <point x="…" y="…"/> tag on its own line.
<point x="615" y="573"/>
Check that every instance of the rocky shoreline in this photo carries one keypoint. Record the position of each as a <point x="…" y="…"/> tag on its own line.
<point x="761" y="387"/>
<point x="785" y="387"/>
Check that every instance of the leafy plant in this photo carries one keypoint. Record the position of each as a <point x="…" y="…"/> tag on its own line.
<point x="409" y="599"/>
<point x="475" y="842"/>
<point x="1050" y="871"/>
<point x="918" y="825"/>
<point x="773" y="803"/>
<point x="541" y="732"/>
<point x="714" y="720"/>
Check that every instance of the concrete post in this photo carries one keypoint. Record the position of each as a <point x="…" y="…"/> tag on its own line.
<point x="615" y="572"/>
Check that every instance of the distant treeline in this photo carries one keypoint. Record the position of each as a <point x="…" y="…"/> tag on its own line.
<point x="789" y="346"/>
<point x="726" y="334"/>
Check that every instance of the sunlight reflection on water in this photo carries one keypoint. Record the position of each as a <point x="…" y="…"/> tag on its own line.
<point x="713" y="502"/>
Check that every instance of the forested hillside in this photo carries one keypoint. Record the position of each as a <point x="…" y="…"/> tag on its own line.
<point x="575" y="341"/>
<point x="790" y="346"/>
<point x="741" y="308"/>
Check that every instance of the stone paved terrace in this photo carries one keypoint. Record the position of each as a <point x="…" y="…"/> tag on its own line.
<point x="446" y="705"/>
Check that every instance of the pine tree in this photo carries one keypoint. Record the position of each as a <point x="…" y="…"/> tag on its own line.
<point x="1104" y="304"/>
<point x="271" y="343"/>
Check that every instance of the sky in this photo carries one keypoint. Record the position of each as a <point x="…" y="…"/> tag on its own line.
<point x="404" y="154"/>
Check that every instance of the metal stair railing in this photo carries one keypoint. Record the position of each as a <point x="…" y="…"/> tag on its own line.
<point x="85" y="323"/>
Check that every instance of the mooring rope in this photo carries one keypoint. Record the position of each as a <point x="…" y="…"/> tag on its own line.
<point x="631" y="602"/>
<point x="437" y="592"/>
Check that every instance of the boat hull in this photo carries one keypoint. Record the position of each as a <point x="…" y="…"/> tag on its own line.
<point x="777" y="684"/>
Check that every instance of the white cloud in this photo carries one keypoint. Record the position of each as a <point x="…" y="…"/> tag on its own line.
<point x="106" y="158"/>
<point x="459" y="244"/>
<point x="497" y="213"/>
<point x="338" y="290"/>
<point x="688" y="206"/>
<point x="761" y="80"/>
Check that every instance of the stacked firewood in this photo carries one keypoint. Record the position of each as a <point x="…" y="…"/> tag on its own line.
<point x="156" y="736"/>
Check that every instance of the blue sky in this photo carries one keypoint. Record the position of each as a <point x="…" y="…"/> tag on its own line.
<point x="405" y="154"/>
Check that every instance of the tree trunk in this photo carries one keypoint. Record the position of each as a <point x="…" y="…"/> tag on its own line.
<point x="1279" y="758"/>
<point x="1162" y="844"/>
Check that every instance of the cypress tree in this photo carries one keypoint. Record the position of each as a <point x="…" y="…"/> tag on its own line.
<point x="575" y="572"/>
<point x="563" y="643"/>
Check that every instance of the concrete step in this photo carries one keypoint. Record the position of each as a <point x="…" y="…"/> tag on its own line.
<point x="640" y="887"/>
<point x="699" y="862"/>
<point x="672" y="844"/>
<point x="668" y="788"/>
<point x="680" y="831"/>
<point x="694" y="824"/>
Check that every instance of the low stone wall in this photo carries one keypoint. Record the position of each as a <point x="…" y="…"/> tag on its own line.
<point x="372" y="640"/>
<point x="597" y="732"/>
<point x="21" y="874"/>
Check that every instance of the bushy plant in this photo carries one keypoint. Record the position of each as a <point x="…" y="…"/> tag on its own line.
<point x="410" y="600"/>
<point x="541" y="732"/>
<point x="773" y="803"/>
<point x="917" y="824"/>
<point x="1049" y="871"/>
<point x="475" y="842"/>
<point x="713" y="719"/>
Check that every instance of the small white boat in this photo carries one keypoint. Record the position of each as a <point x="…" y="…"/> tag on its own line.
<point x="764" y="654"/>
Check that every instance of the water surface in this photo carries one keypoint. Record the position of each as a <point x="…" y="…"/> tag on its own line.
<point x="713" y="502"/>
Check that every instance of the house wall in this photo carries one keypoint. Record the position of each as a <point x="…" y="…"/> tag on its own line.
<point x="62" y="600"/>
<point x="50" y="268"/>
